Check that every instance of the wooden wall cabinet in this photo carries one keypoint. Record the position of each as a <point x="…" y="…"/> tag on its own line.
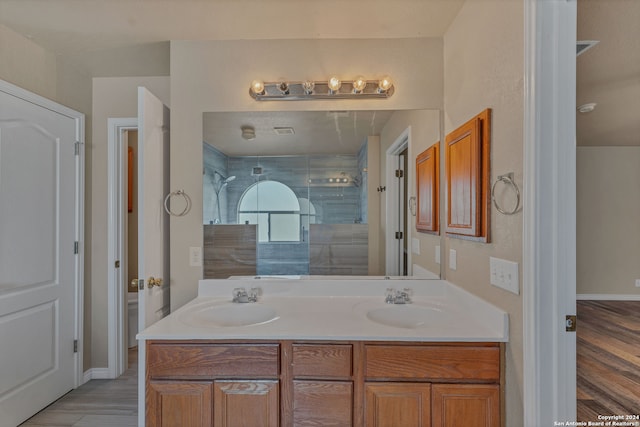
<point x="428" y="190"/>
<point x="329" y="384"/>
<point x="467" y="158"/>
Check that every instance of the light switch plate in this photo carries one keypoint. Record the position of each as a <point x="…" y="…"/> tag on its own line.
<point x="415" y="246"/>
<point x="504" y="274"/>
<point x="438" y="254"/>
<point x="453" y="259"/>
<point x="637" y="283"/>
<point x="195" y="256"/>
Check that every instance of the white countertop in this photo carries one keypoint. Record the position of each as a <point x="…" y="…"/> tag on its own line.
<point x="331" y="309"/>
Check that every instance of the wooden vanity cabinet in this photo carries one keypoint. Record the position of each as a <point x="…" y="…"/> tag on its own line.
<point x="329" y="384"/>
<point x="438" y="385"/>
<point x="202" y="384"/>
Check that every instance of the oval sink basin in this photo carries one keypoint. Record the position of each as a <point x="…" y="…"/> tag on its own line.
<point x="404" y="316"/>
<point x="230" y="315"/>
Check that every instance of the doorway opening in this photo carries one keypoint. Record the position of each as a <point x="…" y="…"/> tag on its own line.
<point x="398" y="257"/>
<point x="122" y="242"/>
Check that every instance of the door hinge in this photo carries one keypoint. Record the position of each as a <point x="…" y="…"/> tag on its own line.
<point x="399" y="173"/>
<point x="117" y="263"/>
<point x="571" y="322"/>
<point x="76" y="247"/>
<point x="399" y="235"/>
<point x="75" y="346"/>
<point x="76" y="148"/>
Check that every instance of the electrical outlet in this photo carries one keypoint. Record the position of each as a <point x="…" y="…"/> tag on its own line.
<point x="195" y="256"/>
<point x="504" y="274"/>
<point x="453" y="259"/>
<point x="438" y="254"/>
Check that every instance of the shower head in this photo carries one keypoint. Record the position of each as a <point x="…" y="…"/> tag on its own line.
<point x="225" y="179"/>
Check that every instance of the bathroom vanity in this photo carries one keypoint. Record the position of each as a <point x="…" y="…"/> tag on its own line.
<point x="326" y="353"/>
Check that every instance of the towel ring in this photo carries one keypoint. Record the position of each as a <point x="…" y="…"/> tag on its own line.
<point x="508" y="180"/>
<point x="187" y="201"/>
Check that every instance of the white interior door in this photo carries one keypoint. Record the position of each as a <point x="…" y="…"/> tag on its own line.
<point x="40" y="261"/>
<point x="153" y="221"/>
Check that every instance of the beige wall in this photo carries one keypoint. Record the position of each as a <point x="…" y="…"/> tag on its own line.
<point x="215" y="76"/>
<point x="112" y="98"/>
<point x="425" y="131"/>
<point x="27" y="64"/>
<point x="608" y="230"/>
<point x="484" y="67"/>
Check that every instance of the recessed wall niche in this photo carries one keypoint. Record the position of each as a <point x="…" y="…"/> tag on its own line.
<point x="467" y="154"/>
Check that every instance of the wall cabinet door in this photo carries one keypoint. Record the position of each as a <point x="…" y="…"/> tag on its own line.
<point x="246" y="403"/>
<point x="176" y="403"/>
<point x="469" y="405"/>
<point x="397" y="405"/>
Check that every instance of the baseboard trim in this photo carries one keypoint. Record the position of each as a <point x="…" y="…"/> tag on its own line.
<point x="97" y="374"/>
<point x="608" y="297"/>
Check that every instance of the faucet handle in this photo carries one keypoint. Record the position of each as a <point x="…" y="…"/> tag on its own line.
<point x="254" y="293"/>
<point x="390" y="296"/>
<point x="406" y="294"/>
<point x="239" y="293"/>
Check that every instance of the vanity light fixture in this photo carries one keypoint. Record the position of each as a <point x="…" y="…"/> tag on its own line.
<point x="332" y="88"/>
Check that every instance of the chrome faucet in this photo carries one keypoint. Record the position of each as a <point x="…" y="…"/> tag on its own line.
<point x="240" y="295"/>
<point x="395" y="296"/>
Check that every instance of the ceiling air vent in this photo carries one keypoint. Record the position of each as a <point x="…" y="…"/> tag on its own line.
<point x="284" y="130"/>
<point x="256" y="171"/>
<point x="583" y="45"/>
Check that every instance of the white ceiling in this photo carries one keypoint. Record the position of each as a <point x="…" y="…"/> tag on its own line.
<point x="316" y="132"/>
<point x="609" y="73"/>
<point x="94" y="32"/>
<point x="73" y="26"/>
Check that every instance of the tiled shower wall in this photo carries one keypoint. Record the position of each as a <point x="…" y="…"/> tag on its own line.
<point x="307" y="176"/>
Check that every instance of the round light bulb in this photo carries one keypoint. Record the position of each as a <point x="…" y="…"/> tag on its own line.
<point x="308" y="86"/>
<point x="257" y="87"/>
<point x="385" y="84"/>
<point x="359" y="83"/>
<point x="283" y="87"/>
<point x="334" y="84"/>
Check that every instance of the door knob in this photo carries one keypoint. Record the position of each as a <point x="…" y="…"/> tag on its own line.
<point x="154" y="282"/>
<point x="139" y="284"/>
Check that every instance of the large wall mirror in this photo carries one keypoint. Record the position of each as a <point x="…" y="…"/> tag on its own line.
<point x="315" y="193"/>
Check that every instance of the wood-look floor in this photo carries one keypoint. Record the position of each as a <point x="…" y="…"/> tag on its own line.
<point x="608" y="358"/>
<point x="98" y="403"/>
<point x="608" y="362"/>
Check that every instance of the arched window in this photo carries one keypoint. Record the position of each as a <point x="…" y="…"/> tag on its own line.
<point x="275" y="208"/>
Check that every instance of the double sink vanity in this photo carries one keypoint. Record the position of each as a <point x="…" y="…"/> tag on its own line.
<point x="318" y="351"/>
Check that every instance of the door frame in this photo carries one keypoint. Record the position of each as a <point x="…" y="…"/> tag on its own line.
<point x="391" y="194"/>
<point x="79" y="210"/>
<point x="549" y="211"/>
<point x="117" y="237"/>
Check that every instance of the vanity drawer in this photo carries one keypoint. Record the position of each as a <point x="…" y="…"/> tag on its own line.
<point x="433" y="362"/>
<point x="195" y="361"/>
<point x="322" y="360"/>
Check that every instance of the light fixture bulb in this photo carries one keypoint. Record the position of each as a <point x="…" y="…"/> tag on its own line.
<point x="384" y="84"/>
<point x="334" y="84"/>
<point x="359" y="83"/>
<point x="257" y="87"/>
<point x="308" y="87"/>
<point x="283" y="87"/>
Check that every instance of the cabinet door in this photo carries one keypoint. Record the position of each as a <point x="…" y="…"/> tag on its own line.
<point x="246" y="403"/>
<point x="397" y="405"/>
<point x="322" y="403"/>
<point x="184" y="404"/>
<point x="428" y="182"/>
<point x="469" y="405"/>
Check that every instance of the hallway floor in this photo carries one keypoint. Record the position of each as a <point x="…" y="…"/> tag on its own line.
<point x="608" y="358"/>
<point x="98" y="403"/>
